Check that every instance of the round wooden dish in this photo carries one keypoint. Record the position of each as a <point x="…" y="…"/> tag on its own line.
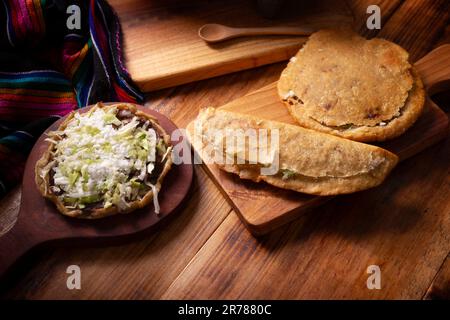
<point x="39" y="222"/>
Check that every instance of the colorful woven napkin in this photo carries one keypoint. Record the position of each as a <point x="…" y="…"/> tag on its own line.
<point x="49" y="67"/>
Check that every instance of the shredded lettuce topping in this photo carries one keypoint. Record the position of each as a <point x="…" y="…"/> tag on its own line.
<point x="101" y="159"/>
<point x="287" y="174"/>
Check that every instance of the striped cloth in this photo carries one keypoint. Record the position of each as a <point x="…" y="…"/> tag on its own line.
<point x="47" y="70"/>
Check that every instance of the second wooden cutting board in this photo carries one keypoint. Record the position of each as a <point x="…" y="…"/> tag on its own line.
<point x="162" y="47"/>
<point x="263" y="208"/>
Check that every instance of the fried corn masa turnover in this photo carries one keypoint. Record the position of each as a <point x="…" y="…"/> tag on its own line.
<point x="343" y="84"/>
<point x="111" y="159"/>
<point x="309" y="161"/>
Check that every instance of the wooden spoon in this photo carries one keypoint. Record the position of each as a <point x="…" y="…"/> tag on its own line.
<point x="213" y="32"/>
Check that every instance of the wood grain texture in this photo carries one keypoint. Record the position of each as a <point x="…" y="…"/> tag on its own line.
<point x="440" y="288"/>
<point x="434" y="70"/>
<point x="263" y="208"/>
<point x="9" y="207"/>
<point x="359" y="10"/>
<point x="139" y="270"/>
<point x="325" y="253"/>
<point x="417" y="24"/>
<point x="163" y="49"/>
<point x="402" y="225"/>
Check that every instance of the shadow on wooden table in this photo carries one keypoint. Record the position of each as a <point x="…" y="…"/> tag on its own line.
<point x="357" y="218"/>
<point x="43" y="253"/>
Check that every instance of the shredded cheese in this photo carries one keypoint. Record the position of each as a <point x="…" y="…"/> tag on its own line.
<point x="155" y="198"/>
<point x="99" y="158"/>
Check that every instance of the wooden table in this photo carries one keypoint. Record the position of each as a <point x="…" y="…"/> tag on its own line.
<point x="402" y="226"/>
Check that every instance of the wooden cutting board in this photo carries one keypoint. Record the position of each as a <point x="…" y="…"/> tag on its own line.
<point x="263" y="207"/>
<point x="162" y="47"/>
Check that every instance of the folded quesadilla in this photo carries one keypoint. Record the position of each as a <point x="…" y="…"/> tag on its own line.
<point x="304" y="160"/>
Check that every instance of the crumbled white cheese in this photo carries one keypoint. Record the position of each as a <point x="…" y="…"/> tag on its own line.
<point x="95" y="160"/>
<point x="168" y="151"/>
<point x="382" y="124"/>
<point x="293" y="59"/>
<point x="288" y="95"/>
<point x="155" y="199"/>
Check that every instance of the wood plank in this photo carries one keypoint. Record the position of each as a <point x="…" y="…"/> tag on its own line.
<point x="445" y="38"/>
<point x="417" y="25"/>
<point x="162" y="47"/>
<point x="402" y="226"/>
<point x="440" y="288"/>
<point x="138" y="270"/>
<point x="182" y="104"/>
<point x="9" y="207"/>
<point x="359" y="8"/>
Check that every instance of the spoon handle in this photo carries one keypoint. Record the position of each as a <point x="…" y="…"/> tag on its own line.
<point x="273" y="31"/>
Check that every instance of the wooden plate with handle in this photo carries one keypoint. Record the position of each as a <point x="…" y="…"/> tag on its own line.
<point x="40" y="223"/>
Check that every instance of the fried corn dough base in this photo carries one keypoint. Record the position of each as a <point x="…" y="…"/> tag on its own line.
<point x="44" y="184"/>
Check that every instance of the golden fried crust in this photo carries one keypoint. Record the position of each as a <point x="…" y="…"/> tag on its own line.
<point x="43" y="183"/>
<point x="391" y="129"/>
<point x="325" y="164"/>
<point x="343" y="84"/>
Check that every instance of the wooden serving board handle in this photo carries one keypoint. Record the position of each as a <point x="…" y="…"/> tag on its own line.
<point x="14" y="244"/>
<point x="434" y="68"/>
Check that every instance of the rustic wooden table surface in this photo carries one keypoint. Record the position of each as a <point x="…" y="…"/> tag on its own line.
<point x="402" y="226"/>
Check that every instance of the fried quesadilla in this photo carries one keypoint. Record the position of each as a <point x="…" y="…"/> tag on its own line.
<point x="343" y="84"/>
<point x="308" y="161"/>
